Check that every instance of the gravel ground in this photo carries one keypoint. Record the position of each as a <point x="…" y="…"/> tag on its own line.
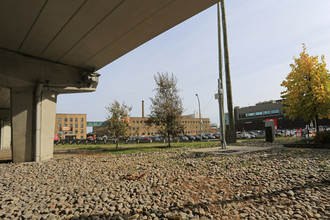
<point x="274" y="184"/>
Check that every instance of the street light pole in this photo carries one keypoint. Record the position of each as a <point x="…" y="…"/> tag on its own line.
<point x="231" y="131"/>
<point x="200" y="116"/>
<point x="220" y="85"/>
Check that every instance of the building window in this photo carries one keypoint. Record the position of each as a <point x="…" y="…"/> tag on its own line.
<point x="76" y="125"/>
<point x="82" y="125"/>
<point x="82" y="131"/>
<point x="59" y="119"/>
<point x="71" y="119"/>
<point x="258" y="113"/>
<point x="276" y="111"/>
<point x="76" y="131"/>
<point x="66" y="119"/>
<point x="266" y="112"/>
<point x="82" y="119"/>
<point x="76" y="120"/>
<point x="59" y="125"/>
<point x="81" y="137"/>
<point x="65" y="125"/>
<point x="249" y="114"/>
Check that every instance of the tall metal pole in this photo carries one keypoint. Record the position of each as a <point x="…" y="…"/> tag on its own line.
<point x="220" y="85"/>
<point x="200" y="116"/>
<point x="228" y="80"/>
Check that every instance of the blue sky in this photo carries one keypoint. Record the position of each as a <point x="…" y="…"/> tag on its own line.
<point x="263" y="38"/>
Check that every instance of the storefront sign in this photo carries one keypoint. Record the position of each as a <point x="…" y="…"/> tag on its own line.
<point x="68" y="128"/>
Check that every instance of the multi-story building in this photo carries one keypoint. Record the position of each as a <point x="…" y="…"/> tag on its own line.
<point x="254" y="117"/>
<point x="192" y="124"/>
<point x="138" y="127"/>
<point x="71" y="126"/>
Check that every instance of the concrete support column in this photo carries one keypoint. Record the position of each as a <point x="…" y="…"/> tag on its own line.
<point x="22" y="106"/>
<point x="24" y="133"/>
<point x="5" y="118"/>
<point x="47" y="124"/>
<point x="5" y="134"/>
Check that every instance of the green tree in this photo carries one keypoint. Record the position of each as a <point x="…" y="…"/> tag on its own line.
<point x="118" y="120"/>
<point x="166" y="107"/>
<point x="307" y="93"/>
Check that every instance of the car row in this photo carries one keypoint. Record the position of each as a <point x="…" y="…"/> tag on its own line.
<point x="150" y="139"/>
<point x="250" y="135"/>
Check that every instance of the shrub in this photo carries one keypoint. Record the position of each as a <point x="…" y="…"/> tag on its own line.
<point x="322" y="137"/>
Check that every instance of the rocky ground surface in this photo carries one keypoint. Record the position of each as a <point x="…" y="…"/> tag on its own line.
<point x="275" y="184"/>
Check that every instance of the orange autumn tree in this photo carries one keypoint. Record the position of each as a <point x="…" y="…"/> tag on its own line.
<point x="307" y="93"/>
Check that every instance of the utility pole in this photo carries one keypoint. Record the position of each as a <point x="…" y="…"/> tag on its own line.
<point x="200" y="116"/>
<point x="231" y="132"/>
<point x="220" y="86"/>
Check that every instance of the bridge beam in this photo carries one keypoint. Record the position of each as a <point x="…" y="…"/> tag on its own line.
<point x="18" y="70"/>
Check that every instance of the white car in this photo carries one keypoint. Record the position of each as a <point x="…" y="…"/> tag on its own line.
<point x="242" y="135"/>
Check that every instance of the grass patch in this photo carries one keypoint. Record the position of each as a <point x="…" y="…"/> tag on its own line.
<point x="325" y="166"/>
<point x="137" y="148"/>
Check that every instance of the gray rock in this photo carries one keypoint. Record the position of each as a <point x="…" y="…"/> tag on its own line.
<point x="290" y="193"/>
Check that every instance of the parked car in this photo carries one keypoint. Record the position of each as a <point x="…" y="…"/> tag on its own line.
<point x="205" y="137"/>
<point x="145" y="140"/>
<point x="242" y="135"/>
<point x="210" y="136"/>
<point x="197" y="137"/>
<point x="190" y="137"/>
<point x="155" y="139"/>
<point x="260" y="134"/>
<point x="165" y="139"/>
<point x="183" y="138"/>
<point x="252" y="135"/>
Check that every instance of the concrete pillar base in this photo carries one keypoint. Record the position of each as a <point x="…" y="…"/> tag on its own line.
<point x="5" y="135"/>
<point x="22" y="124"/>
<point x="231" y="136"/>
<point x="48" y="117"/>
<point x="23" y="106"/>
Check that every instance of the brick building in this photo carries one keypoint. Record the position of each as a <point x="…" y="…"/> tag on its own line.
<point x="137" y="126"/>
<point x="71" y="126"/>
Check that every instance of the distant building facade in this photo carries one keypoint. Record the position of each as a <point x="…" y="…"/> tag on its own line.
<point x="71" y="126"/>
<point x="254" y="117"/>
<point x="138" y="127"/>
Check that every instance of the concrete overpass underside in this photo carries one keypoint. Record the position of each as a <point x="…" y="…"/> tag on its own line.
<point x="53" y="47"/>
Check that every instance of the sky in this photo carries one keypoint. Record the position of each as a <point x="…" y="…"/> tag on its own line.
<point x="263" y="38"/>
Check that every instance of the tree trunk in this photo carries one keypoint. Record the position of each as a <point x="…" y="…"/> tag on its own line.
<point x="168" y="139"/>
<point x="116" y="142"/>
<point x="317" y="123"/>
